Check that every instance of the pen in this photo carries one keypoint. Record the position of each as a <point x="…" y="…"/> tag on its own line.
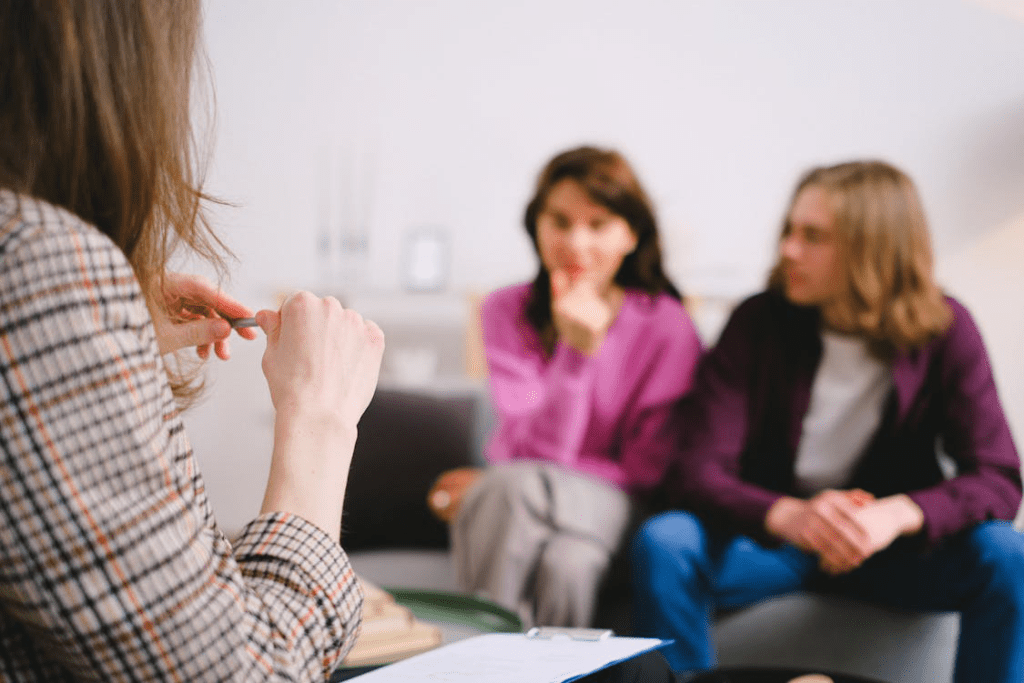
<point x="240" y="322"/>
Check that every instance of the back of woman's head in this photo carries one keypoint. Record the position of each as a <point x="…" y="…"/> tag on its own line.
<point x="890" y="294"/>
<point x="609" y="181"/>
<point x="95" y="118"/>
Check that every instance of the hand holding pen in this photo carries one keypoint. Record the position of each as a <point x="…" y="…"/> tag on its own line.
<point x="194" y="312"/>
<point x="321" y="364"/>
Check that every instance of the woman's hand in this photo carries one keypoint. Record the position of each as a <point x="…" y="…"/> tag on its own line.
<point x="321" y="365"/>
<point x="187" y="315"/>
<point x="579" y="313"/>
<point x="446" y="495"/>
<point x="321" y="357"/>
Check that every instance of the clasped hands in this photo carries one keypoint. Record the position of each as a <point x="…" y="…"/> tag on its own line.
<point x="843" y="528"/>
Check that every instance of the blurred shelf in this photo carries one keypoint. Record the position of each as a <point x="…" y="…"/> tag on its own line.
<point x="437" y="386"/>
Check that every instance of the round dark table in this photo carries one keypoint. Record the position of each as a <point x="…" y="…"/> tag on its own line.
<point x="762" y="674"/>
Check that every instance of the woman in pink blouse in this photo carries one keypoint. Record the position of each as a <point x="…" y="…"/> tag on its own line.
<point x="585" y="366"/>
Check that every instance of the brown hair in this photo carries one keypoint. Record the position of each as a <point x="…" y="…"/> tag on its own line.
<point x="96" y="119"/>
<point x="608" y="180"/>
<point x="891" y="296"/>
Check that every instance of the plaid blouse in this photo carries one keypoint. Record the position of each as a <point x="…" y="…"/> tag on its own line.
<point x="111" y="565"/>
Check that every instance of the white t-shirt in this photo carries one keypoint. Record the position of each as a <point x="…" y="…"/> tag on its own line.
<point x="849" y="392"/>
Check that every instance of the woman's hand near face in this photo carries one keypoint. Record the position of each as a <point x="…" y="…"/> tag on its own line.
<point x="580" y="315"/>
<point x="322" y="362"/>
<point x="187" y="315"/>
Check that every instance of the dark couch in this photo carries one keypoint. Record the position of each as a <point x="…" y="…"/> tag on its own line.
<point x="408" y="437"/>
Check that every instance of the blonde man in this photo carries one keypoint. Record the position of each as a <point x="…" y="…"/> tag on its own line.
<point x="814" y="440"/>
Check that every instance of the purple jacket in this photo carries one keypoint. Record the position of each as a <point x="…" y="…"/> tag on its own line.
<point x="744" y="419"/>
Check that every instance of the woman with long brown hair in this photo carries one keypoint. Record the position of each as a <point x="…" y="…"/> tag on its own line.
<point x="816" y="437"/>
<point x="111" y="564"/>
<point x="585" y="366"/>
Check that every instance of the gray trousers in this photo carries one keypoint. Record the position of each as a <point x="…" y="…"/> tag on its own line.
<point x="538" y="539"/>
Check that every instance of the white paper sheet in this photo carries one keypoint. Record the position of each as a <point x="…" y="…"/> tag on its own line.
<point x="511" y="658"/>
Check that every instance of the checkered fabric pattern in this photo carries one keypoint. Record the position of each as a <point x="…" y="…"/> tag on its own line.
<point x="111" y="565"/>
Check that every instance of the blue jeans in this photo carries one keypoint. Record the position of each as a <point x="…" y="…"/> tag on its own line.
<point x="683" y="572"/>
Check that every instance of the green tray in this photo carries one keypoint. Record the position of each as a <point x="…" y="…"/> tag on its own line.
<point x="458" y="615"/>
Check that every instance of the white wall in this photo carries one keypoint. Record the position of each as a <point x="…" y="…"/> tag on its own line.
<point x="440" y="113"/>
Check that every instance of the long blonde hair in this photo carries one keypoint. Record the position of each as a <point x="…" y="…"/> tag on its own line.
<point x="96" y="119"/>
<point x="891" y="297"/>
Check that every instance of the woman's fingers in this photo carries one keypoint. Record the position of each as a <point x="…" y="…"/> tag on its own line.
<point x="196" y="289"/>
<point x="192" y="314"/>
<point x="198" y="333"/>
<point x="321" y="355"/>
<point x="269" y="321"/>
<point x="560" y="282"/>
<point x="445" y="496"/>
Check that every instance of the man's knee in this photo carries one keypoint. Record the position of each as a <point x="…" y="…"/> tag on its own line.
<point x="670" y="544"/>
<point x="1000" y="552"/>
<point x="669" y="534"/>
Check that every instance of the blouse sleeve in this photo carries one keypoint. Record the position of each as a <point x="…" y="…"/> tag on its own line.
<point x="650" y="430"/>
<point x="111" y="567"/>
<point x="543" y="406"/>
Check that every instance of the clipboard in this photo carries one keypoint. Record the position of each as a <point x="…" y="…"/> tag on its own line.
<point x="554" y="632"/>
<point x="513" y="658"/>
